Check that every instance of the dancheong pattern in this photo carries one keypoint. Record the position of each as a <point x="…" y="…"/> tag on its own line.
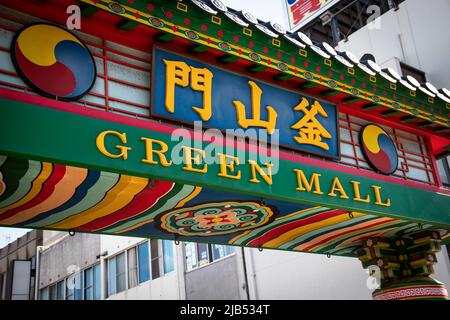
<point x="42" y="195"/>
<point x="216" y="218"/>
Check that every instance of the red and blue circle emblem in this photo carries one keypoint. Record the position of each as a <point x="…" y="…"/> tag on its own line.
<point x="53" y="61"/>
<point x="379" y="149"/>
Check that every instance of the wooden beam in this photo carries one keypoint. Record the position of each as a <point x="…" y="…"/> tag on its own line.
<point x="164" y="37"/>
<point x="372" y="106"/>
<point x="197" y="48"/>
<point x="227" y="58"/>
<point x="256" y="68"/>
<point x="307" y="85"/>
<point x="441" y="130"/>
<point x="350" y="100"/>
<point x="408" y="119"/>
<point x="87" y="11"/>
<point x="391" y="112"/>
<point x="282" y="77"/>
<point x="329" y="93"/>
<point x="426" y="124"/>
<point x="127" y="25"/>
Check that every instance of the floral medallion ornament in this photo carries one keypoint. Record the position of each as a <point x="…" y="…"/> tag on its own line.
<point x="308" y="76"/>
<point x="396" y="105"/>
<point x="254" y="56"/>
<point x="332" y="83"/>
<point x="376" y="99"/>
<point x="191" y="35"/>
<point x="282" y="66"/>
<point x="117" y="8"/>
<point x="217" y="218"/>
<point x="224" y="46"/>
<point x="355" y="91"/>
<point x="156" y="22"/>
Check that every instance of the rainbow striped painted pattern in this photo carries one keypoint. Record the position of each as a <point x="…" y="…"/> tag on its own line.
<point x="43" y="195"/>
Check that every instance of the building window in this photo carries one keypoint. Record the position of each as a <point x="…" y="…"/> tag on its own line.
<point x="219" y="251"/>
<point x="97" y="282"/>
<point x="148" y="260"/>
<point x="168" y="256"/>
<point x="112" y="274"/>
<point x="60" y="290"/>
<point x="79" y="286"/>
<point x="117" y="274"/>
<point x="144" y="258"/>
<point x="121" y="272"/>
<point x="444" y="170"/>
<point x="32" y="277"/>
<point x="44" y="294"/>
<point x="155" y="258"/>
<point x="202" y="254"/>
<point x="70" y="292"/>
<point x="92" y="283"/>
<point x="199" y="254"/>
<point x="89" y="284"/>
<point x="74" y="287"/>
<point x="132" y="268"/>
<point x="2" y="275"/>
<point x="52" y="292"/>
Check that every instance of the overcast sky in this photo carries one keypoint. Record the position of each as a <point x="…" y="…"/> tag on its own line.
<point x="267" y="10"/>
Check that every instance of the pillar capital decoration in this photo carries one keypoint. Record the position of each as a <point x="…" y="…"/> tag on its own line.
<point x="405" y="265"/>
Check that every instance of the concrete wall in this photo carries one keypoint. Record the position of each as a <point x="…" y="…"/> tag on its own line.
<point x="115" y="244"/>
<point x="22" y="249"/>
<point x="290" y="275"/>
<point x="442" y="268"/>
<point x="415" y="34"/>
<point x="163" y="288"/>
<point x="218" y="280"/>
<point x="79" y="251"/>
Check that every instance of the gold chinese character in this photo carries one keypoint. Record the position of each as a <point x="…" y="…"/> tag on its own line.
<point x="310" y="130"/>
<point x="177" y="73"/>
<point x="256" y="121"/>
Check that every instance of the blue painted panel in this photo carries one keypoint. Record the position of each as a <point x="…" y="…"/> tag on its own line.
<point x="228" y="87"/>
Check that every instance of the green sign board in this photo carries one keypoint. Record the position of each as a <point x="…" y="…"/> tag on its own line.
<point x="99" y="140"/>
